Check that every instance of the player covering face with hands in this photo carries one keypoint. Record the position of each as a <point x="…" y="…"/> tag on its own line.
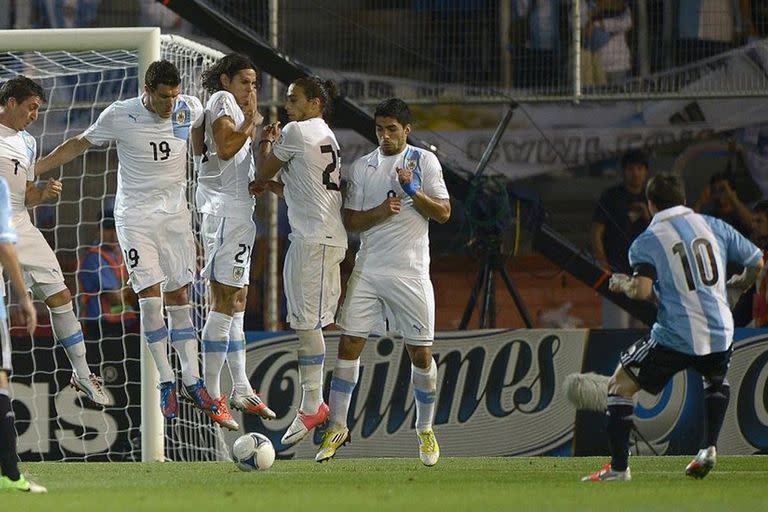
<point x="224" y="159"/>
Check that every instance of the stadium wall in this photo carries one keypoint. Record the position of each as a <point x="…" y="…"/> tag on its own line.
<point x="499" y="394"/>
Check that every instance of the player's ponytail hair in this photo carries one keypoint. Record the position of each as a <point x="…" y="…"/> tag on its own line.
<point x="229" y="65"/>
<point x="324" y="90"/>
<point x="665" y="191"/>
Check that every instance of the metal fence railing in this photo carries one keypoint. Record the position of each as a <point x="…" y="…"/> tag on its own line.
<point x="470" y="51"/>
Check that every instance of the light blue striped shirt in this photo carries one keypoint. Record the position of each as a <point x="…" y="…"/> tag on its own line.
<point x="689" y="253"/>
<point x="7" y="231"/>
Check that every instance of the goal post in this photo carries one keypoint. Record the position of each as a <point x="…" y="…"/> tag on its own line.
<point x="86" y="52"/>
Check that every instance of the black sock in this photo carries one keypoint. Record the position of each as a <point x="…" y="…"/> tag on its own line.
<point x="620" y="411"/>
<point x="716" y="400"/>
<point x="8" y="458"/>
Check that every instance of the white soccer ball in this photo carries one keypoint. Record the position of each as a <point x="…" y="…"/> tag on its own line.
<point x="253" y="452"/>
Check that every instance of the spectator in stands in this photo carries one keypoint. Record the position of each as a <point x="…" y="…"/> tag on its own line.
<point x="709" y="27"/>
<point x="610" y="21"/>
<point x="107" y="304"/>
<point x="155" y="14"/>
<point x="535" y="43"/>
<point x="66" y="13"/>
<point x="720" y="200"/>
<point x="752" y="306"/>
<point x="620" y="216"/>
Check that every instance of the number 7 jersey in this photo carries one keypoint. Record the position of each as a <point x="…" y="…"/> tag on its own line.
<point x="152" y="155"/>
<point x="686" y="256"/>
<point x="311" y="176"/>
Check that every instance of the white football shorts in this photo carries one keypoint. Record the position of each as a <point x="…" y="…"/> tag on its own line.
<point x="312" y="281"/>
<point x="39" y="266"/>
<point x="408" y="303"/>
<point x="160" y="249"/>
<point x="228" y="242"/>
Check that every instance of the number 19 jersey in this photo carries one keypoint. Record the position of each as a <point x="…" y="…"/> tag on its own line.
<point x="686" y="255"/>
<point x="311" y="176"/>
<point x="152" y="154"/>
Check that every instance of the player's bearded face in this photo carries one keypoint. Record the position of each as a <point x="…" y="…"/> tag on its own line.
<point x="241" y="85"/>
<point x="162" y="99"/>
<point x="391" y="134"/>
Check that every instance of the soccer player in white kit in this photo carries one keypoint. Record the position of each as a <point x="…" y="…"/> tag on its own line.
<point x="152" y="217"/>
<point x="392" y="193"/>
<point x="307" y="151"/>
<point x="20" y="100"/>
<point x="225" y="169"/>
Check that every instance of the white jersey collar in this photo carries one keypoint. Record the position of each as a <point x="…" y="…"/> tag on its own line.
<point x="675" y="211"/>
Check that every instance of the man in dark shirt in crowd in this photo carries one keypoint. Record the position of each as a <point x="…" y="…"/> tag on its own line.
<point x="720" y="200"/>
<point x="620" y="216"/>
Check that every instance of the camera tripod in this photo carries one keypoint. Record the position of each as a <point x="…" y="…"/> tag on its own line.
<point x="485" y="284"/>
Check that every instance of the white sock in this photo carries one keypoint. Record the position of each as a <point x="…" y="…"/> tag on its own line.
<point x="156" y="334"/>
<point x="184" y="342"/>
<point x="236" y="355"/>
<point x="311" y="357"/>
<point x="424" y="388"/>
<point x="68" y="332"/>
<point x="215" y="343"/>
<point x="344" y="380"/>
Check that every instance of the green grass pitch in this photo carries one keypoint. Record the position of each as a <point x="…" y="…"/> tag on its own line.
<point x="541" y="483"/>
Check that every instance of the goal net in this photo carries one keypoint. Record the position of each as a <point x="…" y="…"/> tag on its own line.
<point x="53" y="421"/>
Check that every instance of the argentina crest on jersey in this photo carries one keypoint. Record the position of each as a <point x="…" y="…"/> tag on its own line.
<point x="237" y="273"/>
<point x="181" y="120"/>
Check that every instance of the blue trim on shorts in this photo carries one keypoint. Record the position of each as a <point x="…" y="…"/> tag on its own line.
<point x="319" y="324"/>
<point x="310" y="360"/>
<point x="72" y="340"/>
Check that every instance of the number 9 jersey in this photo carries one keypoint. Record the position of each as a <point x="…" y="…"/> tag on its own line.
<point x="311" y="176"/>
<point x="152" y="154"/>
<point x="685" y="254"/>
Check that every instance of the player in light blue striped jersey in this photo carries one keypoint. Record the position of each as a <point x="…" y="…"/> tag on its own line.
<point x="680" y="259"/>
<point x="10" y="477"/>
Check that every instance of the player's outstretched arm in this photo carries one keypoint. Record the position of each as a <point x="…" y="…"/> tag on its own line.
<point x="634" y="287"/>
<point x="64" y="153"/>
<point x="10" y="262"/>
<point x="267" y="164"/>
<point x="742" y="282"/>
